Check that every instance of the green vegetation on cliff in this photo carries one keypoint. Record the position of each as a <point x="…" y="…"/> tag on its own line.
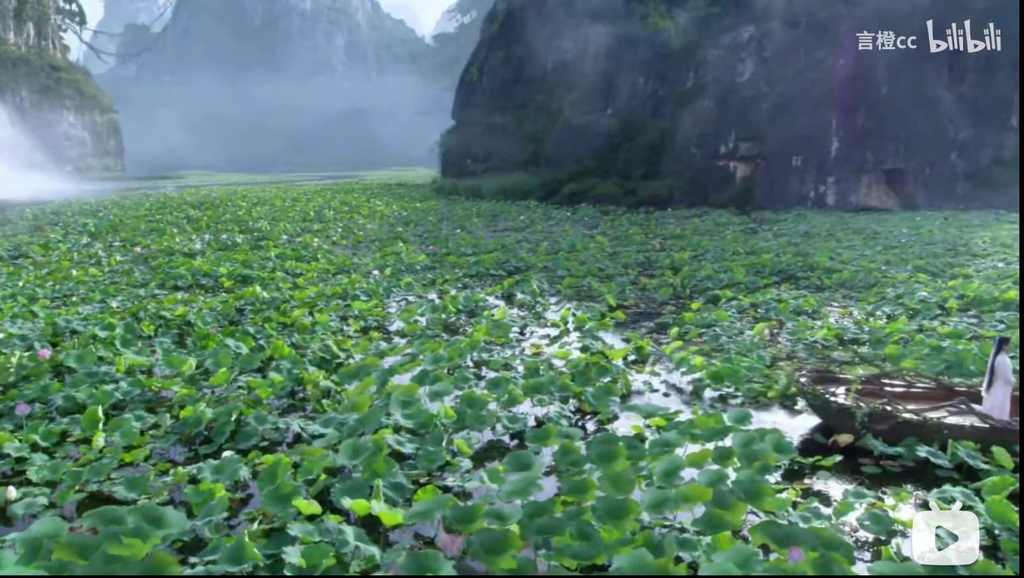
<point x="567" y="189"/>
<point x="44" y="89"/>
<point x="50" y="78"/>
<point x="37" y="13"/>
<point x="364" y="378"/>
<point x="38" y="24"/>
<point x="32" y="66"/>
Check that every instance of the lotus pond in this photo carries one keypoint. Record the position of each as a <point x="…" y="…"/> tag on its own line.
<point x="365" y="378"/>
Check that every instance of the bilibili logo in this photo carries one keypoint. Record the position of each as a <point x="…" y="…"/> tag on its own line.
<point x="959" y="37"/>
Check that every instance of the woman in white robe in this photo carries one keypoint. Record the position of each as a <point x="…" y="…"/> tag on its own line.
<point x="999" y="381"/>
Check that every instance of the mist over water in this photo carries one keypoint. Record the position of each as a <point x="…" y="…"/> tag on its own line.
<point x="253" y="122"/>
<point x="26" y="175"/>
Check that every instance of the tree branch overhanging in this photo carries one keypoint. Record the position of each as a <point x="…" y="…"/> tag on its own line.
<point x="71" y="17"/>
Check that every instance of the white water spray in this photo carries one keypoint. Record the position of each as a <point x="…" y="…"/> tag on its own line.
<point x="26" y="174"/>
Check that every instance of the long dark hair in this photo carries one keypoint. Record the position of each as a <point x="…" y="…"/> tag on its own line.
<point x="1000" y="345"/>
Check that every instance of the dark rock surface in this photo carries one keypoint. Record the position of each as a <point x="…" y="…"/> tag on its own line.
<point x="745" y="102"/>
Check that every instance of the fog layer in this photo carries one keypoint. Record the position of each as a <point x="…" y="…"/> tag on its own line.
<point x="278" y="87"/>
<point x="25" y="173"/>
<point x="257" y="124"/>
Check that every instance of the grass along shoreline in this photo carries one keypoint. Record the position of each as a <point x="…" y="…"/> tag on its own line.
<point x="225" y="377"/>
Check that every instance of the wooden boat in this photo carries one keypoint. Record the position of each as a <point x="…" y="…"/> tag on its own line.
<point x="894" y="411"/>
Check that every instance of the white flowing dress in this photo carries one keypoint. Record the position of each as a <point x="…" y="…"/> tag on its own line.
<point x="996" y="401"/>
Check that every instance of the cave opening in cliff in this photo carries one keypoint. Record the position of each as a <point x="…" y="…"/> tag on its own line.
<point x="896" y="179"/>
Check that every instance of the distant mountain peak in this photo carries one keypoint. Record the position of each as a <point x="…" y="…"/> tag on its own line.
<point x="293" y="38"/>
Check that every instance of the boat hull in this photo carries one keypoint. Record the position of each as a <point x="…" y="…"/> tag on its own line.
<point x="894" y="411"/>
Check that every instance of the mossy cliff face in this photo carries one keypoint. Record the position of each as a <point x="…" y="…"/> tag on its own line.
<point x="56" y="101"/>
<point x="744" y="102"/>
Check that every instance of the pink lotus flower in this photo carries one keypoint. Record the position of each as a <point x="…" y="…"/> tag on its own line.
<point x="451" y="544"/>
<point x="22" y="409"/>
<point x="44" y="353"/>
<point x="796" y="555"/>
<point x="431" y="249"/>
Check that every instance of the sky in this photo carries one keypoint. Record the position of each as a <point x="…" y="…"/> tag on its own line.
<point x="421" y="15"/>
<point x="425" y="11"/>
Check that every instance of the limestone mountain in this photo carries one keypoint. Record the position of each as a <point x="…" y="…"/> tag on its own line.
<point x="743" y="102"/>
<point x="286" y="38"/>
<point x="283" y="85"/>
<point x="53" y="100"/>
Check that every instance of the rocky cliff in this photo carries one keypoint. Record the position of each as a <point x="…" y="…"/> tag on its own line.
<point x="52" y="99"/>
<point x="742" y="102"/>
<point x="252" y="85"/>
